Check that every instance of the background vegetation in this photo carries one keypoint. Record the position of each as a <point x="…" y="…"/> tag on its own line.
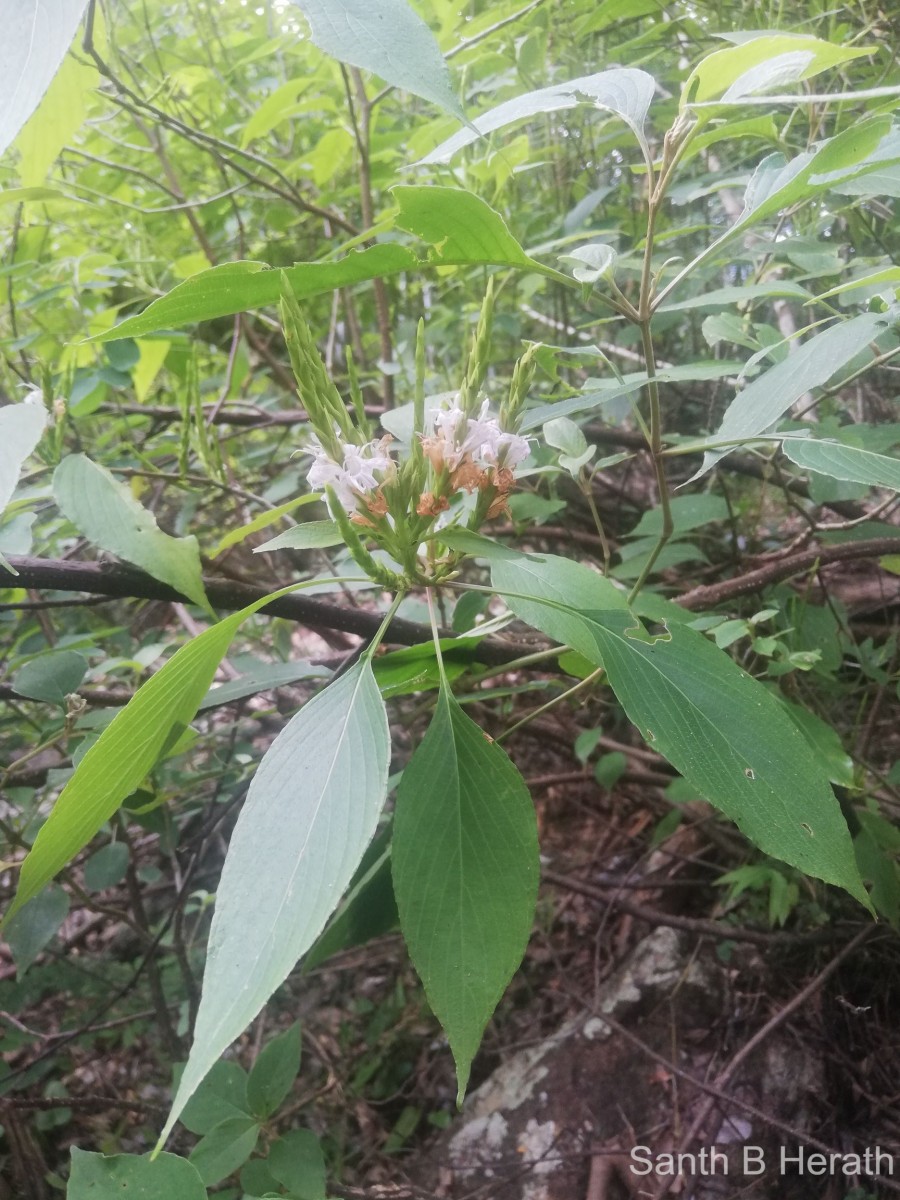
<point x="179" y="137"/>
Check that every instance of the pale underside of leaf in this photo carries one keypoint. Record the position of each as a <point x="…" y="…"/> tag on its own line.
<point x="844" y="462"/>
<point x="36" y="36"/>
<point x="388" y="38"/>
<point x="624" y="91"/>
<point x="311" y="810"/>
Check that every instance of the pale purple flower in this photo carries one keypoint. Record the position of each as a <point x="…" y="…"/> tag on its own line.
<point x="362" y="470"/>
<point x="479" y="439"/>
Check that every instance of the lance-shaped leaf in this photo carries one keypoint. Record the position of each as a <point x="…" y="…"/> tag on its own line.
<point x="388" y="38"/>
<point x="311" y="810"/>
<point x="462" y="229"/>
<point x="625" y="91"/>
<point x="125" y="752"/>
<point x="104" y="510"/>
<point x="769" y="396"/>
<point x="36" y="36"/>
<point x="844" y="462"/>
<point x="465" y="862"/>
<point x="724" y="732"/>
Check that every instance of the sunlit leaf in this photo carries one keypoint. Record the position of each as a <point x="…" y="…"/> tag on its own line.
<point x="36" y="36"/>
<point x="106" y="512"/>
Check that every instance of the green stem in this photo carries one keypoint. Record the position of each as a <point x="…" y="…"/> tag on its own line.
<point x="582" y="683"/>
<point x="437" y="638"/>
<point x="369" y="652"/>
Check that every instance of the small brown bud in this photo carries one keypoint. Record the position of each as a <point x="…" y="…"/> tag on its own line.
<point x="430" y="505"/>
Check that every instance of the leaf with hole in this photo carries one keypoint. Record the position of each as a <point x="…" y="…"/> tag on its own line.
<point x="96" y="1177"/>
<point x="719" y="727"/>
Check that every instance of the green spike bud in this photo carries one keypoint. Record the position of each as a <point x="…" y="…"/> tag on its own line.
<point x="315" y="387"/>
<point x="356" y="396"/>
<point x="519" y="386"/>
<point x="419" y="398"/>
<point x="480" y="354"/>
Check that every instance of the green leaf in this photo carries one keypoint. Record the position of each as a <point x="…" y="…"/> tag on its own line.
<point x="35" y="40"/>
<point x="467" y="541"/>
<point x="261" y="679"/>
<point x="239" y="286"/>
<point x="844" y="462"/>
<point x="461" y="228"/>
<point x="309" y="535"/>
<point x="725" y="297"/>
<point x="35" y="925"/>
<point x="263" y="521"/>
<point x="369" y="910"/>
<point x="56" y="120"/>
<point x="296" y="1161"/>
<point x="274" y="1072"/>
<point x="21" y="426"/>
<point x="388" y="38"/>
<point x="887" y="275"/>
<point x="624" y="91"/>
<point x="760" y="64"/>
<point x="466" y="867"/>
<point x="310" y="812"/>
<point x="719" y="727"/>
<point x="104" y="510"/>
<point x="224" y="1149"/>
<point x="688" y="512"/>
<point x="125" y="752"/>
<point x="107" y="867"/>
<point x="96" y="1177"/>
<point x="222" y="1096"/>
<point x="51" y="677"/>
<point x="811" y="365"/>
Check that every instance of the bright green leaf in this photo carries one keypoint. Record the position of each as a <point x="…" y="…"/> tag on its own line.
<point x="760" y="64"/>
<point x="465" y="862"/>
<point x="310" y="812"/>
<point x="125" y="752"/>
<point x="104" y="510"/>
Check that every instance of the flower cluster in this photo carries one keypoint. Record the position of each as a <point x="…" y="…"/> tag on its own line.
<point x="459" y="439"/>
<point x="358" y="476"/>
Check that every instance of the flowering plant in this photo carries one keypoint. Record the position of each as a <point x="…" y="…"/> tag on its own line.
<point x="458" y="470"/>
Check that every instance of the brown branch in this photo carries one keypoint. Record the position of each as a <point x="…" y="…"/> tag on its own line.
<point x="129" y="583"/>
<point x="708" y="595"/>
